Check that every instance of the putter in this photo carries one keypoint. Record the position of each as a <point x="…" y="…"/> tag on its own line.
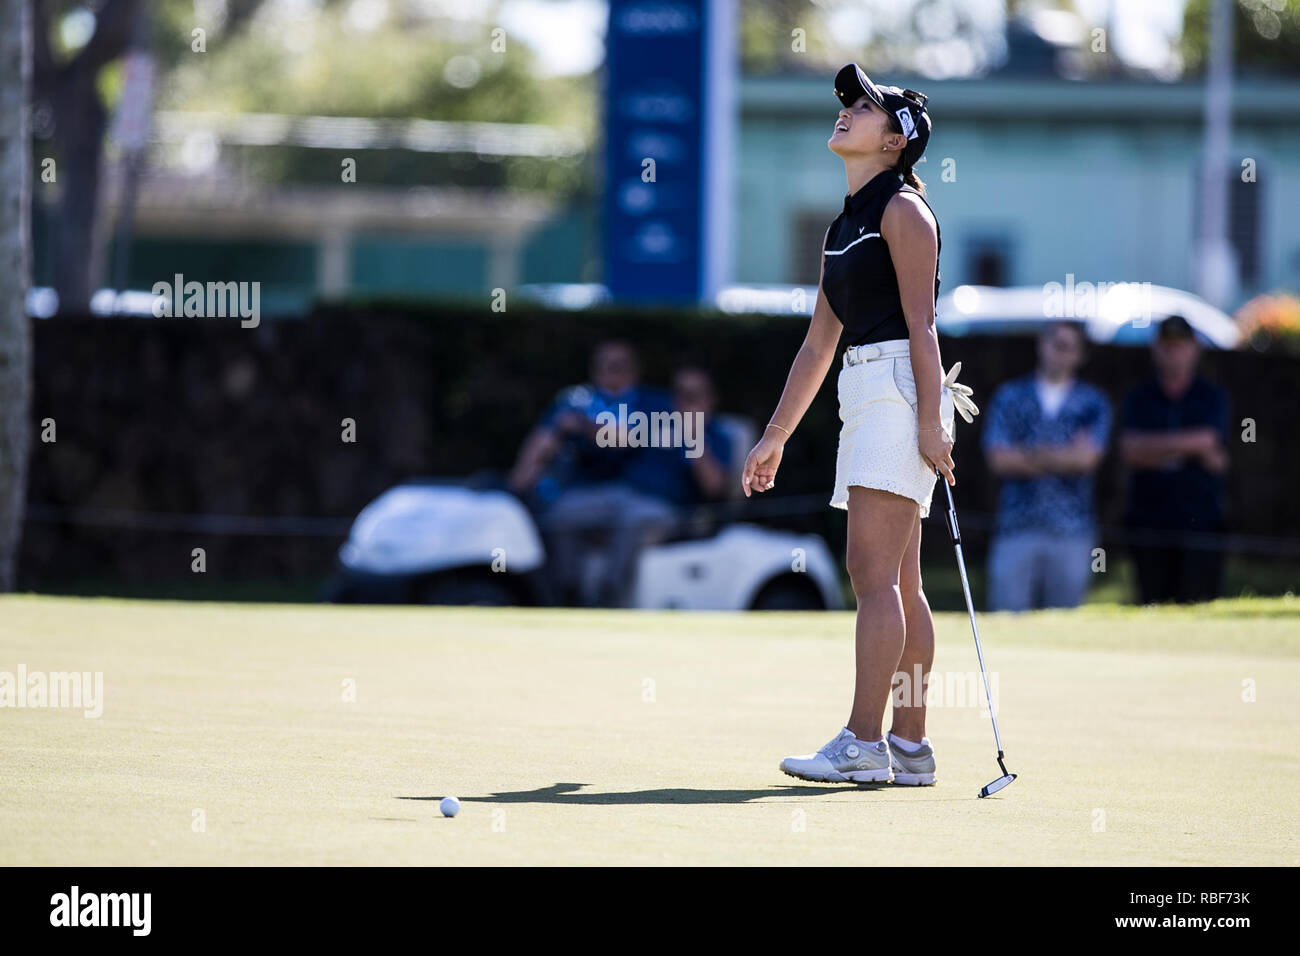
<point x="955" y="534"/>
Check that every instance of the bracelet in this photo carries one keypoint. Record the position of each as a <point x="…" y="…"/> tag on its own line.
<point x="935" y="428"/>
<point x="782" y="427"/>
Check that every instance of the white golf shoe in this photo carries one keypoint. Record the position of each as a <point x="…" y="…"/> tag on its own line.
<point x="845" y="759"/>
<point x="913" y="768"/>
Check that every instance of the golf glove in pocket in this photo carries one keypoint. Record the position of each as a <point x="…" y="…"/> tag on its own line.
<point x="961" y="394"/>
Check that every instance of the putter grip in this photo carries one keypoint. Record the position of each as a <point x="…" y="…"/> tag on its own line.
<point x="950" y="517"/>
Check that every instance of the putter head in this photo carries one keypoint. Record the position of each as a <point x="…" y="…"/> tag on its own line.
<point x="998" y="784"/>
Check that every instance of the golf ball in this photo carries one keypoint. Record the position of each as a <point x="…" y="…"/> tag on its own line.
<point x="450" y="806"/>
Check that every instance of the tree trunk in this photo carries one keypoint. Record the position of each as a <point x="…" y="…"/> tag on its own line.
<point x="15" y="272"/>
<point x="81" y="120"/>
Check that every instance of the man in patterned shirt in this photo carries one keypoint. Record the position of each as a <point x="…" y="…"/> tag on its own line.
<point x="1045" y="437"/>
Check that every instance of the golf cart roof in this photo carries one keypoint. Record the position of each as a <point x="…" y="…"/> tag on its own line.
<point x="1126" y="313"/>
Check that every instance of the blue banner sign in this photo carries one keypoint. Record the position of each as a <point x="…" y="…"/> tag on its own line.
<point x="668" y="117"/>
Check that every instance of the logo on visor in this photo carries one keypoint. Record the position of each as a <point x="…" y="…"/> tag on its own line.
<point x="905" y="120"/>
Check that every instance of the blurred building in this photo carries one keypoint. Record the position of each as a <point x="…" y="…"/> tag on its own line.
<point x="1032" y="177"/>
<point x="205" y="211"/>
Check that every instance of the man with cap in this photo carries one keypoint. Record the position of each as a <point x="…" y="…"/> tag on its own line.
<point x="1173" y="440"/>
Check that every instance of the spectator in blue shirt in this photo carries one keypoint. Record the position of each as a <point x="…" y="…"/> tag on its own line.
<point x="575" y="475"/>
<point x="1045" y="437"/>
<point x="686" y="464"/>
<point x="562" y="452"/>
<point x="683" y="476"/>
<point x="1174" y="440"/>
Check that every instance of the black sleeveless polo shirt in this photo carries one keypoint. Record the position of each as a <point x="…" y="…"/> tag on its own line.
<point x="858" y="275"/>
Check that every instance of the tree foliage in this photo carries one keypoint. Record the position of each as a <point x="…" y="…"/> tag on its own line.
<point x="1266" y="36"/>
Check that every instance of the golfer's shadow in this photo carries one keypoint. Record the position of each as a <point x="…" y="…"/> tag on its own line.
<point x="573" y="793"/>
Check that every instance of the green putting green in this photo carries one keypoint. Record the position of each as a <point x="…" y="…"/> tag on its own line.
<point x="262" y="734"/>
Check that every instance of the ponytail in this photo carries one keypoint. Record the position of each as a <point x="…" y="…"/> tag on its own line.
<point x="911" y="179"/>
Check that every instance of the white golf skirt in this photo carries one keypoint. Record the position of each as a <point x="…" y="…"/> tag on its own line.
<point x="878" y="440"/>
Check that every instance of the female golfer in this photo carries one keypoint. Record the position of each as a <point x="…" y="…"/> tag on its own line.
<point x="879" y="279"/>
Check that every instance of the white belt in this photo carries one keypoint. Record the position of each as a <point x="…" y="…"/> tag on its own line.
<point x="865" y="353"/>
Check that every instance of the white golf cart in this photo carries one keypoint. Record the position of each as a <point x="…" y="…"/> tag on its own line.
<point x="437" y="542"/>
